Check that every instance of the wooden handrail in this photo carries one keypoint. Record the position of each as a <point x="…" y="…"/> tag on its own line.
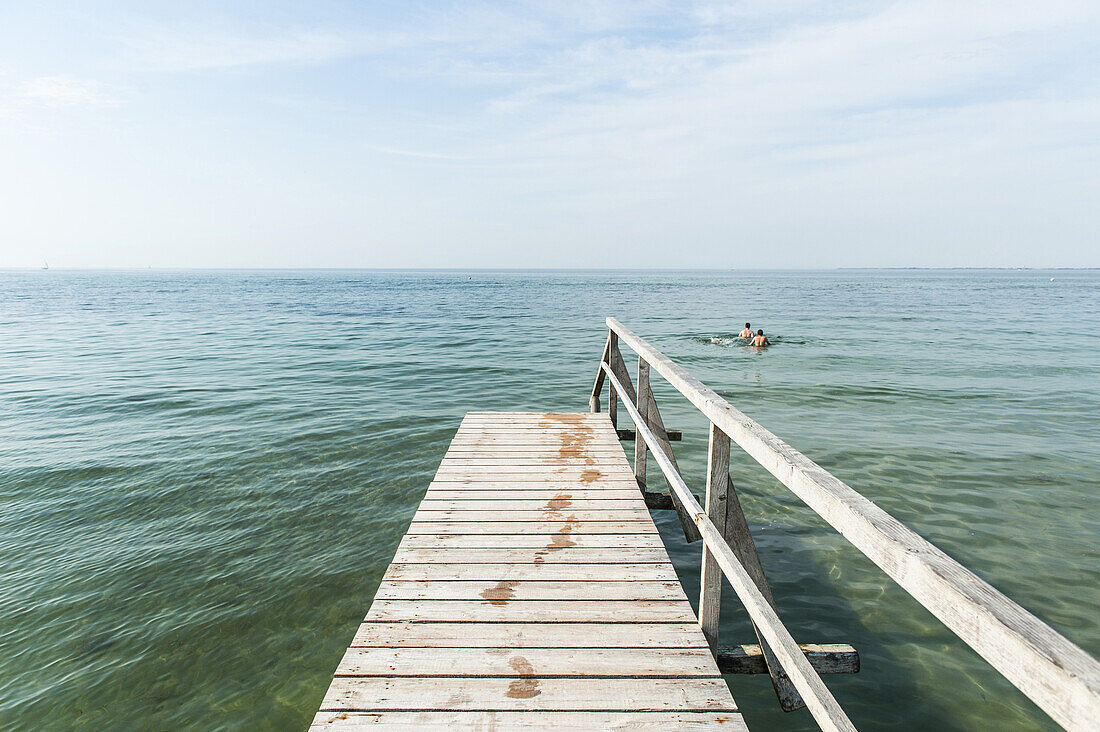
<point x="1057" y="675"/>
<point x="819" y="701"/>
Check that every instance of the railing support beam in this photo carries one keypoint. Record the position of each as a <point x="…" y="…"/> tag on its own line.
<point x="641" y="403"/>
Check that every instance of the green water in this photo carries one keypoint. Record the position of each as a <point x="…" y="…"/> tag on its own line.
<point x="203" y="475"/>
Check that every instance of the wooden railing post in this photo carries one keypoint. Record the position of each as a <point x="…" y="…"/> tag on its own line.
<point x="597" y="387"/>
<point x="642" y="403"/>
<point x="710" y="585"/>
<point x="612" y="398"/>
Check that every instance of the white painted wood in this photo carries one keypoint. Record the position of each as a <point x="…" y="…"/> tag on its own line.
<point x="571" y="515"/>
<point x="555" y="472"/>
<point x="529" y="693"/>
<point x="564" y="502"/>
<point x="491" y="591"/>
<point x="539" y="452"/>
<point x="518" y="541"/>
<point x="513" y="465"/>
<point x="547" y="663"/>
<point x="534" y="528"/>
<point x="532" y="611"/>
<point x="1057" y="675"/>
<point x="547" y="571"/>
<point x="530" y="635"/>
<point x="490" y="483"/>
<point x="552" y="553"/>
<point x="476" y="493"/>
<point x="587" y="481"/>
<point x="499" y="721"/>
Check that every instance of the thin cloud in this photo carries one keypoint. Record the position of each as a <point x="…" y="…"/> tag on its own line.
<point x="64" y="91"/>
<point x="428" y="155"/>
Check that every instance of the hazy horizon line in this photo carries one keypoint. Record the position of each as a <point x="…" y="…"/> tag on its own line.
<point x="542" y="269"/>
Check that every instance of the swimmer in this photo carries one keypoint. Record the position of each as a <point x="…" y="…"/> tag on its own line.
<point x="760" y="340"/>
<point x="746" y="333"/>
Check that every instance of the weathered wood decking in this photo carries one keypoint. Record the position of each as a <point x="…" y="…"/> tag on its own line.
<point x="532" y="590"/>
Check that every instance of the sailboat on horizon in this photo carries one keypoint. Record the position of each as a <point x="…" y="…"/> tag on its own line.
<point x="45" y="264"/>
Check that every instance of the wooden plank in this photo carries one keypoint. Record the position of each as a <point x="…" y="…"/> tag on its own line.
<point x="532" y="611"/>
<point x="527" y="693"/>
<point x="530" y="635"/>
<point x="580" y="460"/>
<point x="602" y="428"/>
<point x="535" y="528"/>
<point x="527" y="483"/>
<point x="564" y="472"/>
<point x="564" y="502"/>
<point x="498" y="417"/>
<point x="620" y="514"/>
<point x="576" y="477"/>
<point x="491" y="591"/>
<point x="553" y="553"/>
<point x="507" y="720"/>
<point x="1057" y="675"/>
<point x="503" y="451"/>
<point x="595" y="479"/>
<point x="518" y="444"/>
<point x="546" y="663"/>
<point x="547" y="571"/>
<point x="476" y="493"/>
<point x="522" y="413"/>
<point x="540" y="438"/>
<point x="517" y="541"/>
<point x="833" y="658"/>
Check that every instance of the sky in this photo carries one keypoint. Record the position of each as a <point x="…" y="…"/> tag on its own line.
<point x="751" y="134"/>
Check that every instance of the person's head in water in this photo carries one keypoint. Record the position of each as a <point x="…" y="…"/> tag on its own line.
<point x="760" y="332"/>
<point x="748" y="326"/>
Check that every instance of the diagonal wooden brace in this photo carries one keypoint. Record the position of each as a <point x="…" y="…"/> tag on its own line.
<point x="740" y="540"/>
<point x="724" y="509"/>
<point x="648" y="407"/>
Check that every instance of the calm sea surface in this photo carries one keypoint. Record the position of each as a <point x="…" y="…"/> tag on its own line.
<point x="203" y="475"/>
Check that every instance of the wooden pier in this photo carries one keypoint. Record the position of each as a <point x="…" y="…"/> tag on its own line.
<point x="532" y="590"/>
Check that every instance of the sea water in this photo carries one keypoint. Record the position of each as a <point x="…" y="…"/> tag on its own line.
<point x="204" y="474"/>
